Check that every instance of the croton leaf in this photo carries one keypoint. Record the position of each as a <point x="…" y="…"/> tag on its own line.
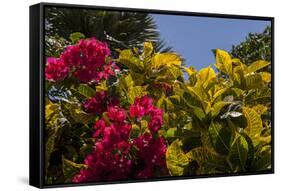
<point x="208" y="161"/>
<point x="222" y="137"/>
<point x="86" y="90"/>
<point x="223" y="61"/>
<point x="204" y="76"/>
<point x="257" y="65"/>
<point x="254" y="124"/>
<point x="127" y="58"/>
<point x="165" y="59"/>
<point x="176" y="159"/>
<point x="239" y="154"/>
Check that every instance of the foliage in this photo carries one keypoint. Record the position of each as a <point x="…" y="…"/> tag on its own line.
<point x="119" y="29"/>
<point x="256" y="46"/>
<point x="148" y="121"/>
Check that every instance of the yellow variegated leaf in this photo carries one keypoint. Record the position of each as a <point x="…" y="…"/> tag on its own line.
<point x="223" y="61"/>
<point x="165" y="59"/>
<point x="127" y="58"/>
<point x="204" y="76"/>
<point x="197" y="92"/>
<point x="257" y="65"/>
<point x="219" y="93"/>
<point x="254" y="124"/>
<point x="190" y="70"/>
<point x="217" y="107"/>
<point x="147" y="49"/>
<point x="260" y="109"/>
<point x="209" y="162"/>
<point x="176" y="159"/>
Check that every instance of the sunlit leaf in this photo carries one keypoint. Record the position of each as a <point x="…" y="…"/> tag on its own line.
<point x="176" y="159"/>
<point x="223" y="61"/>
<point x="257" y="65"/>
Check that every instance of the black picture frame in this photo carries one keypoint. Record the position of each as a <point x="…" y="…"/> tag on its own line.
<point x="36" y="102"/>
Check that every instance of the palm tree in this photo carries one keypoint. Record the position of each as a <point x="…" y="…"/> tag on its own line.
<point x="120" y="29"/>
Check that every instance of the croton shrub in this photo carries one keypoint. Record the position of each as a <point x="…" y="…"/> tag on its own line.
<point x="144" y="114"/>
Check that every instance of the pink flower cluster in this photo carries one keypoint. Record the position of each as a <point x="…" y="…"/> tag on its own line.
<point x="143" y="107"/>
<point x="116" y="155"/>
<point x="88" y="61"/>
<point x="96" y="104"/>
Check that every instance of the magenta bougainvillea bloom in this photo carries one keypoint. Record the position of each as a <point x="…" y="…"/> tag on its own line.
<point x="96" y="104"/>
<point x="116" y="113"/>
<point x="152" y="152"/>
<point x="143" y="107"/>
<point x="56" y="69"/>
<point x="89" y="61"/>
<point x="116" y="155"/>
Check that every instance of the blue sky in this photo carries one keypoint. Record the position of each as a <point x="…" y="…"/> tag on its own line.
<point x="195" y="37"/>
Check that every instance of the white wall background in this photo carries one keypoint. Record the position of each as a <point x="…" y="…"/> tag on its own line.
<point x="14" y="72"/>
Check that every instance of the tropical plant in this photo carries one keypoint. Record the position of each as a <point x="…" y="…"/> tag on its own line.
<point x="227" y="117"/>
<point x="145" y="120"/>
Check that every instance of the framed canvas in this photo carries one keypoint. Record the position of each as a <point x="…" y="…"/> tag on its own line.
<point x="121" y="95"/>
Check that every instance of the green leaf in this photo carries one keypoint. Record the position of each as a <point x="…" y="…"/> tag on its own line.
<point x="176" y="159"/>
<point x="86" y="90"/>
<point x="49" y="147"/>
<point x="77" y="114"/>
<point x="257" y="65"/>
<point x="208" y="162"/>
<point x="217" y="107"/>
<point x="199" y="113"/>
<point x="138" y="78"/>
<point x="238" y="154"/>
<point x="254" y="124"/>
<point x="75" y="37"/>
<point x="222" y="137"/>
<point x="171" y="132"/>
<point x="70" y="168"/>
<point x="262" y="161"/>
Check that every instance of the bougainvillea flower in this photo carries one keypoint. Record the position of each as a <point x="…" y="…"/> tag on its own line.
<point x="137" y="111"/>
<point x="89" y="61"/>
<point x="115" y="154"/>
<point x="56" y="69"/>
<point x="116" y="113"/>
<point x="96" y="104"/>
<point x="152" y="152"/>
